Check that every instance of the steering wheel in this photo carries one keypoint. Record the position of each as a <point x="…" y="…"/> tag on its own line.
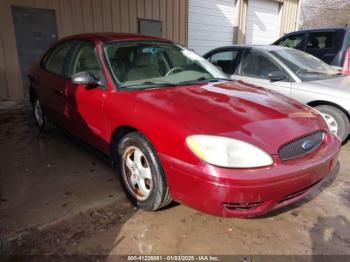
<point x="173" y="70"/>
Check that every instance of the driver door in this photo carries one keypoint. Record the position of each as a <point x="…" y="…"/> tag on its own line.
<point x="86" y="103"/>
<point x="255" y="67"/>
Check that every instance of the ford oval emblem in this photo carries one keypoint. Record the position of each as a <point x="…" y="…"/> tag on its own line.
<point x="307" y="145"/>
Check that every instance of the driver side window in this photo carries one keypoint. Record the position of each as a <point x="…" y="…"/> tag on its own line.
<point x="86" y="60"/>
<point x="257" y="65"/>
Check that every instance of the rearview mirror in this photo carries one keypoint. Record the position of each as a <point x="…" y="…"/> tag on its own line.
<point x="85" y="78"/>
<point x="277" y="76"/>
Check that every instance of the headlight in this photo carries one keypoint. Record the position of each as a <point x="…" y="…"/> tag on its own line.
<point x="227" y="152"/>
<point x="317" y="112"/>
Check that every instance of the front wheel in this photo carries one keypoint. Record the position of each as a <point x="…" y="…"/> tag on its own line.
<point x="337" y="121"/>
<point x="141" y="173"/>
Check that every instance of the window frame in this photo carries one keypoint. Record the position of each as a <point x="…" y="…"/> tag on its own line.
<point x="271" y="59"/>
<point x="234" y="63"/>
<point x="302" y="43"/>
<point x="334" y="46"/>
<point x="73" y="57"/>
<point x="240" y="51"/>
<point x="115" y="81"/>
<point x="50" y="52"/>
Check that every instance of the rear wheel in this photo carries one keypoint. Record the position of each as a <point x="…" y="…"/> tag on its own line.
<point x="337" y="121"/>
<point x="141" y="173"/>
<point x="40" y="116"/>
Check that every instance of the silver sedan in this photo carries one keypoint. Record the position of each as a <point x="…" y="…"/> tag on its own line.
<point x="293" y="73"/>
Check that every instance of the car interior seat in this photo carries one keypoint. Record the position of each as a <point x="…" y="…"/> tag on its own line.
<point x="88" y="63"/>
<point x="145" y="66"/>
<point x="313" y="43"/>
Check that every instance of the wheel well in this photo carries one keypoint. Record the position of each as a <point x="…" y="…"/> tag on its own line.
<point x="326" y="103"/>
<point x="119" y="133"/>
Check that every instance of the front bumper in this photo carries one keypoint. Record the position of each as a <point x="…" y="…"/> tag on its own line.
<point x="248" y="192"/>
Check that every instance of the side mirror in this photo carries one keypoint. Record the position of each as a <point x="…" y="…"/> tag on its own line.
<point x="277" y="76"/>
<point x="85" y="78"/>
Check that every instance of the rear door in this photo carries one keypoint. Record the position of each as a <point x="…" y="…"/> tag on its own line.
<point x="325" y="45"/>
<point x="255" y="67"/>
<point x="53" y="83"/>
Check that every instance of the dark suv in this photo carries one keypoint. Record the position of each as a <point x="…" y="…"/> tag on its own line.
<point x="332" y="45"/>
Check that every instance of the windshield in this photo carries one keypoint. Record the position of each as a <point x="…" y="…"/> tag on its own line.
<point x="305" y="66"/>
<point x="150" y="63"/>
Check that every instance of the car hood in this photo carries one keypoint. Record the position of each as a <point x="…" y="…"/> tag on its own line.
<point x="234" y="109"/>
<point x="338" y="86"/>
<point x="341" y="82"/>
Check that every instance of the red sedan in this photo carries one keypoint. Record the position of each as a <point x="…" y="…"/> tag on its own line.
<point x="176" y="129"/>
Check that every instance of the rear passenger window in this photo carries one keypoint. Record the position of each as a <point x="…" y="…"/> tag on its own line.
<point x="225" y="60"/>
<point x="321" y="40"/>
<point x="55" y="61"/>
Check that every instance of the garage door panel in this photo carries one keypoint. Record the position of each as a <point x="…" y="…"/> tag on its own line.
<point x="208" y="19"/>
<point x="210" y="24"/>
<point x="262" y="22"/>
<point x="211" y="3"/>
<point x="206" y="43"/>
<point x="214" y="11"/>
<point x="208" y="28"/>
<point x="202" y="35"/>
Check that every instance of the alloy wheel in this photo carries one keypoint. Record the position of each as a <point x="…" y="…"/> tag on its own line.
<point x="38" y="112"/>
<point x="137" y="173"/>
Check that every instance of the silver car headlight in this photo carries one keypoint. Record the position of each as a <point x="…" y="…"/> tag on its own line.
<point x="227" y="152"/>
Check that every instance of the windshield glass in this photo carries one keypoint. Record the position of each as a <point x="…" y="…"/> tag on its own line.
<point x="305" y="66"/>
<point x="149" y="63"/>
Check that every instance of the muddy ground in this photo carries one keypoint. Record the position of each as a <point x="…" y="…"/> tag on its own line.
<point x="58" y="197"/>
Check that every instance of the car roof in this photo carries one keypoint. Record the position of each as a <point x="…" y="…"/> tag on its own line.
<point x="321" y="29"/>
<point x="110" y="37"/>
<point x="267" y="48"/>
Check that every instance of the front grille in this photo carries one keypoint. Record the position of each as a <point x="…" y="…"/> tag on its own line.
<point x="301" y="146"/>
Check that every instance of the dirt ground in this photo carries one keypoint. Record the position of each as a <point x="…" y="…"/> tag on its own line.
<point x="57" y="197"/>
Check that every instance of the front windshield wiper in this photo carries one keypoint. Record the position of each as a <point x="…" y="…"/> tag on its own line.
<point x="149" y="84"/>
<point x="205" y="79"/>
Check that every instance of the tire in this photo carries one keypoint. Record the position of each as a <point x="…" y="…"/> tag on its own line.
<point x="40" y="116"/>
<point x="337" y="119"/>
<point x="141" y="173"/>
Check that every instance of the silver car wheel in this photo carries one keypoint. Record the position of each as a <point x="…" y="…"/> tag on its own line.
<point x="137" y="173"/>
<point x="38" y="112"/>
<point x="331" y="122"/>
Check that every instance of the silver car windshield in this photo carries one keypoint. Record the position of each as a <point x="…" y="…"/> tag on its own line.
<point x="142" y="64"/>
<point x="305" y="66"/>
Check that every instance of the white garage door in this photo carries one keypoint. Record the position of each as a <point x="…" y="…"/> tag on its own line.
<point x="262" y="25"/>
<point x="210" y="24"/>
